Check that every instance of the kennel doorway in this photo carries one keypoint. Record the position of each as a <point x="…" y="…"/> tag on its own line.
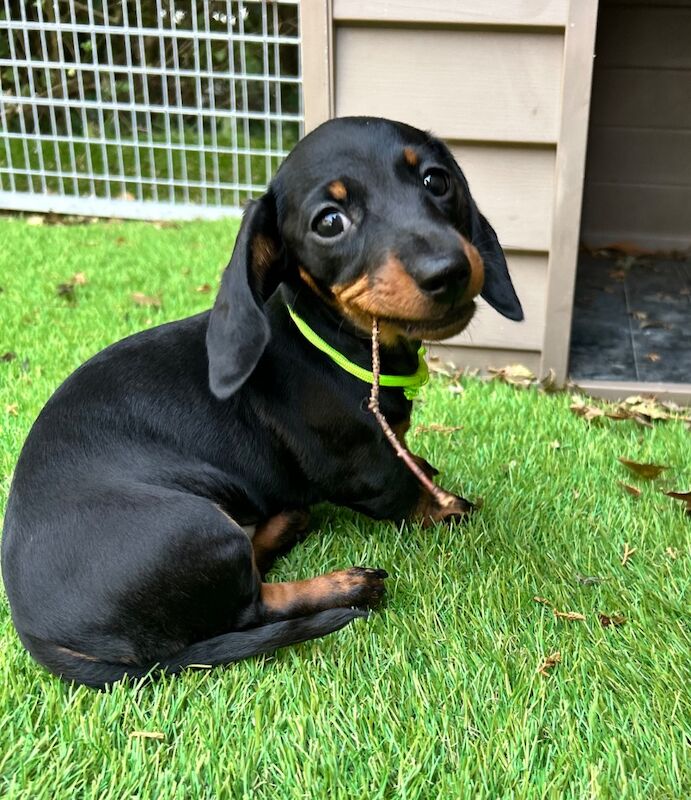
<point x="632" y="303"/>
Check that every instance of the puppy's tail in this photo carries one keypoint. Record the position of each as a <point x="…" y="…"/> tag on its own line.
<point x="224" y="649"/>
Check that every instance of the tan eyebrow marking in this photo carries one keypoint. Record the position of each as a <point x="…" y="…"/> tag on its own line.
<point x="337" y="190"/>
<point x="410" y="156"/>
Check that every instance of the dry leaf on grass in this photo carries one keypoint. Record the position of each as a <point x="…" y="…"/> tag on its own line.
<point x="632" y="490"/>
<point x="514" y="374"/>
<point x="205" y="288"/>
<point x="648" y="471"/>
<point x="543" y="600"/>
<point x="12" y="409"/>
<point x="146" y="300"/>
<point x="571" y="616"/>
<point x="148" y="735"/>
<point x="684" y="497"/>
<point x="548" y="662"/>
<point x="628" y="552"/>
<point x="8" y="356"/>
<point x="607" y="620"/>
<point x="589" y="580"/>
<point x="445" y="369"/>
<point x="549" y="384"/>
<point x="67" y="289"/>
<point x="672" y="552"/>
<point x="643" y="410"/>
<point x="435" y="428"/>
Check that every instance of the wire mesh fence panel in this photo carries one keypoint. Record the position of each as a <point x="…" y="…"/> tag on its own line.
<point x="169" y="108"/>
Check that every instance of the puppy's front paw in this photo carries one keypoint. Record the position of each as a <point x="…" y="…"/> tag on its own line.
<point x="361" y="586"/>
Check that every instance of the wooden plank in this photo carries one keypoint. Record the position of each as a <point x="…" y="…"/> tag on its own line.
<point x="645" y="98"/>
<point x="514" y="188"/>
<point x="639" y="155"/>
<point x="482" y="358"/>
<point x="461" y="84"/>
<point x="490" y="329"/>
<point x="451" y="12"/>
<point x="316" y="51"/>
<point x="657" y="217"/>
<point x="648" y="36"/>
<point x="570" y="168"/>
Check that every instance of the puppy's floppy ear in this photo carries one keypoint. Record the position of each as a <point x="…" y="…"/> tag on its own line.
<point x="238" y="330"/>
<point x="497" y="290"/>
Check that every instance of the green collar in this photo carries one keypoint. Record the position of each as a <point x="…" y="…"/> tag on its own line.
<point x="410" y="384"/>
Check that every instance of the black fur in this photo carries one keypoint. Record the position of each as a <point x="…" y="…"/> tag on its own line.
<point x="124" y="548"/>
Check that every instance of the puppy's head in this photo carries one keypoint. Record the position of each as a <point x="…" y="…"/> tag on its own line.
<point x="377" y="219"/>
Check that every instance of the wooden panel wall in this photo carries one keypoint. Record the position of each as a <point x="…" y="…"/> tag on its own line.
<point x="422" y="77"/>
<point x="638" y="180"/>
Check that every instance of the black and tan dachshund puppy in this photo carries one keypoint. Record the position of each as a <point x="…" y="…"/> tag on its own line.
<point x="163" y="478"/>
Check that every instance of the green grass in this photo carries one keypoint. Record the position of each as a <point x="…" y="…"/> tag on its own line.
<point x="437" y="695"/>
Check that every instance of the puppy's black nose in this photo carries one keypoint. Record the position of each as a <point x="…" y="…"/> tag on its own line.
<point x="443" y="278"/>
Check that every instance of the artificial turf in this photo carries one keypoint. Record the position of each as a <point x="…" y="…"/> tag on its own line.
<point x="438" y="694"/>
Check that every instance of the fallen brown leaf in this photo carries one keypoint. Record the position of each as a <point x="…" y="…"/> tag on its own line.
<point x="8" y="356"/>
<point x="581" y="409"/>
<point x="12" y="409"/>
<point x="435" y="428"/>
<point x="647" y="408"/>
<point x="630" y="489"/>
<point x="543" y="600"/>
<point x="617" y="620"/>
<point x="628" y="552"/>
<point x="589" y="580"/>
<point x="514" y="374"/>
<point x="205" y="288"/>
<point x="654" y="357"/>
<point x="79" y="279"/>
<point x="548" y="662"/>
<point x="685" y="497"/>
<point x="142" y="299"/>
<point x="66" y="290"/>
<point x="571" y="616"/>
<point x="649" y="471"/>
<point x="655" y="323"/>
<point x="549" y="384"/>
<point x="672" y="552"/>
<point x="148" y="735"/>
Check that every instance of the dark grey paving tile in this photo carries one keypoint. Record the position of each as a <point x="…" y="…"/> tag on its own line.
<point x="633" y="324"/>
<point x="600" y="341"/>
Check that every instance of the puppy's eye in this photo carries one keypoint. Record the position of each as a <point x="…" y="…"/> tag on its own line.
<point x="436" y="182"/>
<point x="330" y="222"/>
